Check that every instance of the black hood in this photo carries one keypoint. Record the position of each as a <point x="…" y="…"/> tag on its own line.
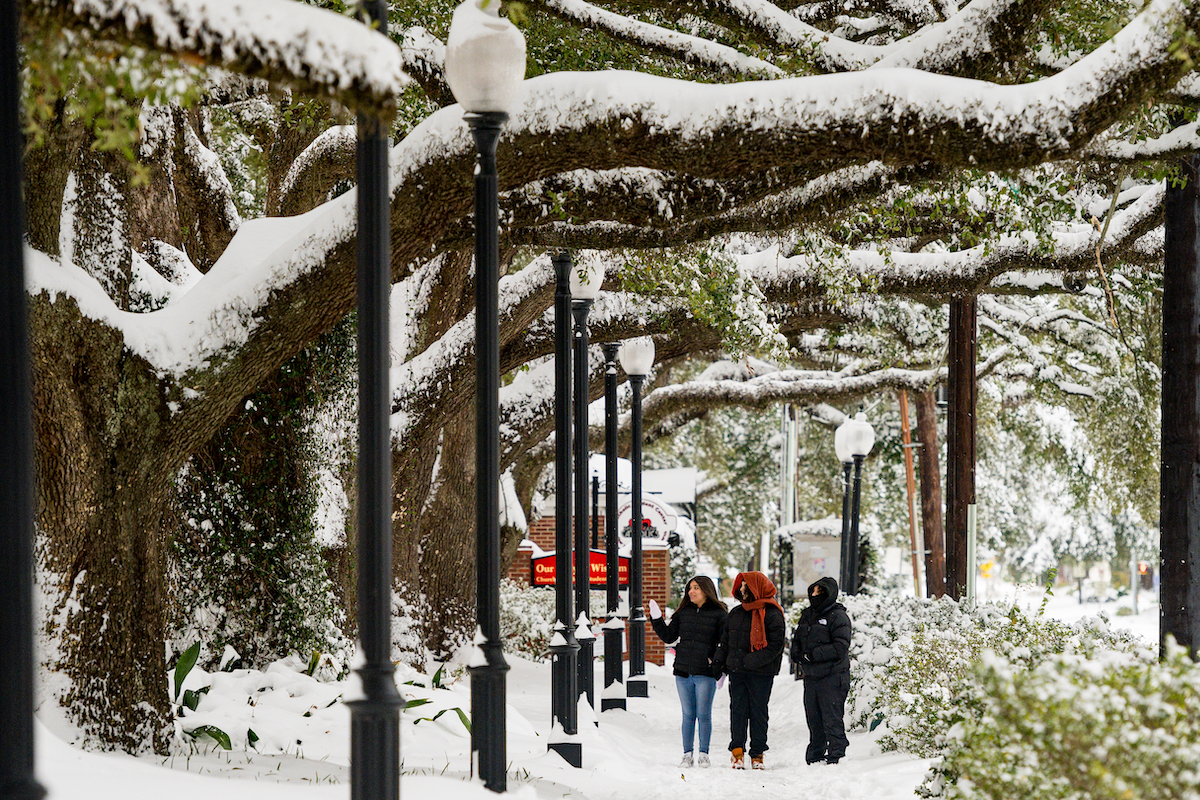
<point x="829" y="598"/>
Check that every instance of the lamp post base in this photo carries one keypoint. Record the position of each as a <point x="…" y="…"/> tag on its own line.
<point x="613" y="669"/>
<point x="572" y="752"/>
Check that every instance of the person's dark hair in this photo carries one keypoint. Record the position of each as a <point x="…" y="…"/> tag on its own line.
<point x="706" y="585"/>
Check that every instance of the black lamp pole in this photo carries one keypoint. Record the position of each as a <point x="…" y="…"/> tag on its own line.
<point x="614" y="628"/>
<point x="595" y="510"/>
<point x="845" y="578"/>
<point x="17" y="781"/>
<point x="564" y="649"/>
<point x="636" y="685"/>
<point x="854" y="548"/>
<point x="487" y="679"/>
<point x="583" y="553"/>
<point x="375" y="718"/>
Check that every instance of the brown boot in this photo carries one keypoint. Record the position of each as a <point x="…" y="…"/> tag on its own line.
<point x="756" y="762"/>
<point x="736" y="758"/>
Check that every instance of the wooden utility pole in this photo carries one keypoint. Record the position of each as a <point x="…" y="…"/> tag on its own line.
<point x="931" y="496"/>
<point x="960" y="443"/>
<point x="911" y="484"/>
<point x="1179" y="510"/>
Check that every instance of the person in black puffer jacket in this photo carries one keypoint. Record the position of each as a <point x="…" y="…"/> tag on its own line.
<point x="695" y="628"/>
<point x="751" y="652"/>
<point x="821" y="651"/>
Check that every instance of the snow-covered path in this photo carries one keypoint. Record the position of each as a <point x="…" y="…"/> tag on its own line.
<point x="635" y="753"/>
<point x="631" y="755"/>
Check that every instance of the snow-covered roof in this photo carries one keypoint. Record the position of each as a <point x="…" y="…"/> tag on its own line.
<point x="829" y="526"/>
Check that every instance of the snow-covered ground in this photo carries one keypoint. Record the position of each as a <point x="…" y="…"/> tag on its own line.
<point x="303" y="743"/>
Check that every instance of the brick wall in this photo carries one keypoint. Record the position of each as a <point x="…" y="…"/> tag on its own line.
<point x="656" y="576"/>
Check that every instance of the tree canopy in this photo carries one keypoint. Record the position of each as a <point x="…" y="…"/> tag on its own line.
<point x="805" y="181"/>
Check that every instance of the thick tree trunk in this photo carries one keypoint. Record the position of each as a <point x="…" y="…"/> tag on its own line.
<point x="104" y="511"/>
<point x="46" y="168"/>
<point x="1180" y="496"/>
<point x="447" y="549"/>
<point x="931" y="495"/>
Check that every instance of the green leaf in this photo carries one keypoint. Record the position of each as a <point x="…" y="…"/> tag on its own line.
<point x="420" y="701"/>
<point x="184" y="665"/>
<point x="312" y="662"/>
<point x="213" y="732"/>
<point x="191" y="698"/>
<point x="251" y="737"/>
<point x="461" y="716"/>
<point x="437" y="677"/>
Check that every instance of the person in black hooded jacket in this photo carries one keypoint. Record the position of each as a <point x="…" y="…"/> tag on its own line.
<point x="821" y="651"/>
<point x="695" y="628"/>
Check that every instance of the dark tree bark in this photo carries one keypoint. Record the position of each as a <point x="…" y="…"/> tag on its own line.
<point x="1180" y="500"/>
<point x="47" y="168"/>
<point x="104" y="503"/>
<point x="931" y="495"/>
<point x="960" y="443"/>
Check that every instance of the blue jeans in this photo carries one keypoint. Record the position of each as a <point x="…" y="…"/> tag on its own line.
<point x="696" y="697"/>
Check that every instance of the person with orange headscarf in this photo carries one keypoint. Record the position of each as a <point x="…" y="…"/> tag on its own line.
<point x="751" y="651"/>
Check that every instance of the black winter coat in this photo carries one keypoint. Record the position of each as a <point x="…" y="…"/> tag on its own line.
<point x="734" y="654"/>
<point x="697" y="631"/>
<point x="821" y="640"/>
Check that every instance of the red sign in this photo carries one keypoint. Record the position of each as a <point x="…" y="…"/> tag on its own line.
<point x="542" y="569"/>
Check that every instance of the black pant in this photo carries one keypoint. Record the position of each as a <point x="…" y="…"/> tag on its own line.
<point x="824" y="707"/>
<point x="748" y="697"/>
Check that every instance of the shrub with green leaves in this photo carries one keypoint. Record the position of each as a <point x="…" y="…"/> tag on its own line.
<point x="526" y="618"/>
<point x="928" y="688"/>
<point x="912" y="660"/>
<point x="1077" y="727"/>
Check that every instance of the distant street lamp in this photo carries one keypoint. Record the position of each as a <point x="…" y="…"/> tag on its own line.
<point x="852" y="441"/>
<point x="614" y="627"/>
<point x="485" y="64"/>
<point x="585" y="287"/>
<point x="637" y="357"/>
<point x="375" y="717"/>
<point x="564" y="649"/>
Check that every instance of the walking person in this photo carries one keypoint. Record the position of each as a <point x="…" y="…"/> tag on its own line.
<point x="821" y="651"/>
<point x="751" y="651"/>
<point x="695" y="628"/>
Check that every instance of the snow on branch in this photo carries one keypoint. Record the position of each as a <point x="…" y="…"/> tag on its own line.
<point x="898" y="116"/>
<point x="1072" y="247"/>
<point x="311" y="49"/>
<point x="1178" y="143"/>
<point x="977" y="40"/>
<point x="662" y="40"/>
<point x="784" y="386"/>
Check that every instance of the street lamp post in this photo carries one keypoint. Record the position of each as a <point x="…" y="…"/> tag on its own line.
<point x="17" y="777"/>
<point x="637" y="356"/>
<point x="853" y="441"/>
<point x="585" y="287"/>
<point x="564" y="649"/>
<point x="375" y="717"/>
<point x="614" y="627"/>
<point x="485" y="64"/>
<point x="841" y="447"/>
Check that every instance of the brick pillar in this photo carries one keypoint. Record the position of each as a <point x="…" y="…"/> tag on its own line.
<point x="519" y="572"/>
<point x="656" y="584"/>
<point x="656" y="576"/>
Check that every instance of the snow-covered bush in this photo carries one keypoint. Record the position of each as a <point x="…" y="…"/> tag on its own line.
<point x="928" y="686"/>
<point x="911" y="660"/>
<point x="526" y="618"/>
<point x="1076" y="727"/>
